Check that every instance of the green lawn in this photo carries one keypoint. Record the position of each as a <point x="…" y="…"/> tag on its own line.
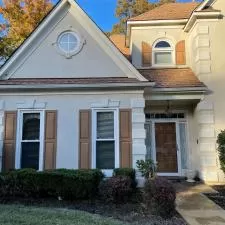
<point x="23" y="215"/>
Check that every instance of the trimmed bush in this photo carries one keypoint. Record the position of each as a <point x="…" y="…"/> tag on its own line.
<point x="160" y="196"/>
<point x="116" y="189"/>
<point x="221" y="149"/>
<point x="127" y="172"/>
<point x="68" y="184"/>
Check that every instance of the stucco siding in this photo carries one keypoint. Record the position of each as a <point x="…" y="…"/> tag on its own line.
<point x="44" y="59"/>
<point x="68" y="106"/>
<point x="150" y="35"/>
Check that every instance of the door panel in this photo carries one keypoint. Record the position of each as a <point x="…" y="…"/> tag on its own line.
<point x="166" y="147"/>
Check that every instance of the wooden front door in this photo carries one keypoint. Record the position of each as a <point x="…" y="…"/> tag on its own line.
<point x="166" y="147"/>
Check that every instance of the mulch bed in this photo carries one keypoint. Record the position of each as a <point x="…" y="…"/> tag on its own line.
<point x="218" y="198"/>
<point x="132" y="212"/>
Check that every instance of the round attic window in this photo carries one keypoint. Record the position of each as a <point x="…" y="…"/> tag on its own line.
<point x="69" y="43"/>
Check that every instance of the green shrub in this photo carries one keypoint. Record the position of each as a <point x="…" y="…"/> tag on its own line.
<point x="68" y="184"/>
<point x="116" y="189"/>
<point x="221" y="149"/>
<point x="147" y="168"/>
<point x="127" y="172"/>
<point x="160" y="196"/>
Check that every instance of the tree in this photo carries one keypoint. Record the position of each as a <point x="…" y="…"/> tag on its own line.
<point x="21" y="17"/>
<point x="130" y="8"/>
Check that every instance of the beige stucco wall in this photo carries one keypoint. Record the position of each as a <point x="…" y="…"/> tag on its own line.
<point x="68" y="106"/>
<point x="43" y="59"/>
<point x="207" y="61"/>
<point x="150" y="34"/>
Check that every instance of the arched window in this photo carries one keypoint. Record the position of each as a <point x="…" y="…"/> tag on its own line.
<point x="163" y="52"/>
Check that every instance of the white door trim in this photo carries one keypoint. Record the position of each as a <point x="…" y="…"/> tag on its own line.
<point x="108" y="173"/>
<point x="176" y="121"/>
<point x="19" y="137"/>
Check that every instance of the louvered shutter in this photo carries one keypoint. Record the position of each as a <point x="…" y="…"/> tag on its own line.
<point x="125" y="138"/>
<point x="50" y="140"/>
<point x="85" y="139"/>
<point x="9" y="147"/>
<point x="180" y="53"/>
<point x="146" y="54"/>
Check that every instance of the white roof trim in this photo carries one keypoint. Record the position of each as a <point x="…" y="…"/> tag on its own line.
<point x="195" y="15"/>
<point x="203" y="4"/>
<point x="108" y="46"/>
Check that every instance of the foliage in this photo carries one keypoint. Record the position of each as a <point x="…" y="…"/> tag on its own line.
<point x="67" y="184"/>
<point x="129" y="8"/>
<point x="160" y="196"/>
<point x="116" y="189"/>
<point x="221" y="149"/>
<point x="147" y="168"/>
<point x="128" y="172"/>
<point x="20" y="18"/>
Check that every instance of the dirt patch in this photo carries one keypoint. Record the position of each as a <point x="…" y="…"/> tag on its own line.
<point x="218" y="198"/>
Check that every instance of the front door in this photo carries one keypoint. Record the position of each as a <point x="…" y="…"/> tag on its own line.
<point x="166" y="148"/>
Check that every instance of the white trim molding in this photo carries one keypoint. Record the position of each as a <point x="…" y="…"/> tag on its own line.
<point x="32" y="104"/>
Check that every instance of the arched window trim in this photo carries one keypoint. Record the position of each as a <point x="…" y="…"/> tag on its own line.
<point x="163" y="49"/>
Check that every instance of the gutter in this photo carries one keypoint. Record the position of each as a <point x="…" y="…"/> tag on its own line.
<point x="181" y="90"/>
<point x="72" y="87"/>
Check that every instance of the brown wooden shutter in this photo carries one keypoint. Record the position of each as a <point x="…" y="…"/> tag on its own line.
<point x="50" y="140"/>
<point x="146" y="54"/>
<point x="180" y="53"/>
<point x="9" y="148"/>
<point x="125" y="138"/>
<point x="85" y="139"/>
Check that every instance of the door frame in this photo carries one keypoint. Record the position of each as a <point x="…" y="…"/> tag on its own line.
<point x="153" y="137"/>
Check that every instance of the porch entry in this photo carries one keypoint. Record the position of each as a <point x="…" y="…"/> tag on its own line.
<point x="166" y="142"/>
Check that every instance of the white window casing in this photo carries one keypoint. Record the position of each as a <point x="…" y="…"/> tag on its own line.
<point x="163" y="56"/>
<point x="20" y="140"/>
<point x="114" y="137"/>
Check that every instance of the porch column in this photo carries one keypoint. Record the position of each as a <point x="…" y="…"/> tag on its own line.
<point x="1" y="131"/>
<point x="138" y="130"/>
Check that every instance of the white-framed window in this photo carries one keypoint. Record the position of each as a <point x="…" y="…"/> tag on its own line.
<point x="105" y="132"/>
<point x="30" y="140"/>
<point x="69" y="43"/>
<point x="163" y="53"/>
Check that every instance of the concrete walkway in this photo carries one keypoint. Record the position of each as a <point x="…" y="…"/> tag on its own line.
<point x="196" y="208"/>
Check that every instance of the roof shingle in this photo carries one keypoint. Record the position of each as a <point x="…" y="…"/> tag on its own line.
<point x="169" y="11"/>
<point x="172" y="78"/>
<point x="119" y="41"/>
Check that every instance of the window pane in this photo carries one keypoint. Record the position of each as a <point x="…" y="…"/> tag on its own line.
<point x="163" y="58"/>
<point x="162" y="44"/>
<point x="72" y="38"/>
<point x="105" y="125"/>
<point x="183" y="145"/>
<point x="64" y="38"/>
<point x="64" y="46"/>
<point x="30" y="155"/>
<point x="105" y="154"/>
<point x="31" y="126"/>
<point x="72" y="46"/>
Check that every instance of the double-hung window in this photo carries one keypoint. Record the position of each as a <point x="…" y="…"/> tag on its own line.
<point x="105" y="141"/>
<point x="29" y="152"/>
<point x="163" y="53"/>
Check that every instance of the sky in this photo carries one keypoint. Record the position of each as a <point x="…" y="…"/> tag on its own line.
<point x="102" y="11"/>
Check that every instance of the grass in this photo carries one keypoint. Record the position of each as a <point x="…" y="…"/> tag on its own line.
<point x="23" y="215"/>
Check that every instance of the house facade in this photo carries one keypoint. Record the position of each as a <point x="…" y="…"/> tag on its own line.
<point x="72" y="98"/>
